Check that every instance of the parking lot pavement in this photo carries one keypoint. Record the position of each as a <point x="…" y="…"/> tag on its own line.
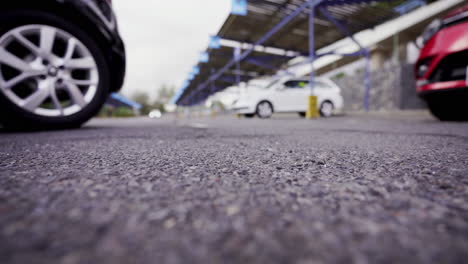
<point x="361" y="189"/>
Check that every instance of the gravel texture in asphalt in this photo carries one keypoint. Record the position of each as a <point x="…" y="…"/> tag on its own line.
<point x="355" y="189"/>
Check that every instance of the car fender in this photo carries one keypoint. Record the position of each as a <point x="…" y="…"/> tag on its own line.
<point x="447" y="41"/>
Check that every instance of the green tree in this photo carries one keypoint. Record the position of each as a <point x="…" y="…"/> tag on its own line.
<point x="143" y="99"/>
<point x="165" y="94"/>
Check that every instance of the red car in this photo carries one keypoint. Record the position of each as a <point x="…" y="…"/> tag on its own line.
<point x="442" y="68"/>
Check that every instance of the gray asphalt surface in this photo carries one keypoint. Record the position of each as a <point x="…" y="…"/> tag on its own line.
<point x="354" y="189"/>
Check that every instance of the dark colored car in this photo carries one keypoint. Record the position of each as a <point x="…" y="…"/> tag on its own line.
<point x="59" y="61"/>
<point x="442" y="68"/>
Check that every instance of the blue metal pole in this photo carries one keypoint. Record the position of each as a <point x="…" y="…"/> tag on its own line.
<point x="212" y="83"/>
<point x="367" y="82"/>
<point x="236" y="55"/>
<point x="312" y="44"/>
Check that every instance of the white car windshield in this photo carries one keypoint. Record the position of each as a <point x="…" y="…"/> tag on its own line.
<point x="271" y="84"/>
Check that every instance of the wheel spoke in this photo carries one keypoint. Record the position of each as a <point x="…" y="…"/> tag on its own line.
<point x="82" y="63"/>
<point x="75" y="94"/>
<point x="83" y="82"/>
<point x="27" y="43"/>
<point x="71" y="45"/>
<point x="9" y="84"/>
<point x="265" y="110"/>
<point x="11" y="60"/>
<point x="47" y="40"/>
<point x="56" y="101"/>
<point x="36" y="99"/>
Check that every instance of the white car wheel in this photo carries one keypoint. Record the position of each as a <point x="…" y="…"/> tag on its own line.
<point x="264" y="110"/>
<point x="326" y="109"/>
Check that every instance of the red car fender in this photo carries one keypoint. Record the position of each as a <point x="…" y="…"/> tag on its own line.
<point x="447" y="41"/>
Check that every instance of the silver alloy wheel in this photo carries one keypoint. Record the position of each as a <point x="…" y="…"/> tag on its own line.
<point x="327" y="109"/>
<point x="265" y="110"/>
<point x="47" y="71"/>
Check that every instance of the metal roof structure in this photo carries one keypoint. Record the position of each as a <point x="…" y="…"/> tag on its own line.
<point x="297" y="27"/>
<point x="265" y="14"/>
<point x="259" y="63"/>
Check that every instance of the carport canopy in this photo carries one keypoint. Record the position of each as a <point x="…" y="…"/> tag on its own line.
<point x="333" y="21"/>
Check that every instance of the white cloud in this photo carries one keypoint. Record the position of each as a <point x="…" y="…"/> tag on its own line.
<point x="165" y="37"/>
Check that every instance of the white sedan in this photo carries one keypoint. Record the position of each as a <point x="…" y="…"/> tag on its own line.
<point x="263" y="98"/>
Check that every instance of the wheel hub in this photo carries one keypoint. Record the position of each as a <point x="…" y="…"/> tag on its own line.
<point x="53" y="71"/>
<point x="264" y="110"/>
<point x="327" y="109"/>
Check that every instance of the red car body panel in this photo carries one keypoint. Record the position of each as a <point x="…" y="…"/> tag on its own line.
<point x="449" y="40"/>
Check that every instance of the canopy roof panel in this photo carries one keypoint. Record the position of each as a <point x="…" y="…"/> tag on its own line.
<point x="263" y="15"/>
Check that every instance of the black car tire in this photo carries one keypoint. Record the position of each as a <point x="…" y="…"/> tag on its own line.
<point x="445" y="109"/>
<point x="14" y="117"/>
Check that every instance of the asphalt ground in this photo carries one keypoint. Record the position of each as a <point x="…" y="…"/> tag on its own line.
<point x="379" y="188"/>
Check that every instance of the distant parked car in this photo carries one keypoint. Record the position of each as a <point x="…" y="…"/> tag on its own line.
<point x="442" y="68"/>
<point x="59" y="61"/>
<point x="155" y="114"/>
<point x="263" y="98"/>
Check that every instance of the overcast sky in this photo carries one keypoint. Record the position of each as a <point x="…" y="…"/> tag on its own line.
<point x="165" y="37"/>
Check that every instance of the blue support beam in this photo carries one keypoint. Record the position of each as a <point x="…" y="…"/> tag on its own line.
<point x="232" y="80"/>
<point x="295" y="52"/>
<point x="213" y="87"/>
<point x="237" y="52"/>
<point x="349" y="2"/>
<point x="261" y="57"/>
<point x="125" y="101"/>
<point x="367" y="82"/>
<point x="312" y="5"/>
<point x="260" y="63"/>
<point x="354" y="54"/>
